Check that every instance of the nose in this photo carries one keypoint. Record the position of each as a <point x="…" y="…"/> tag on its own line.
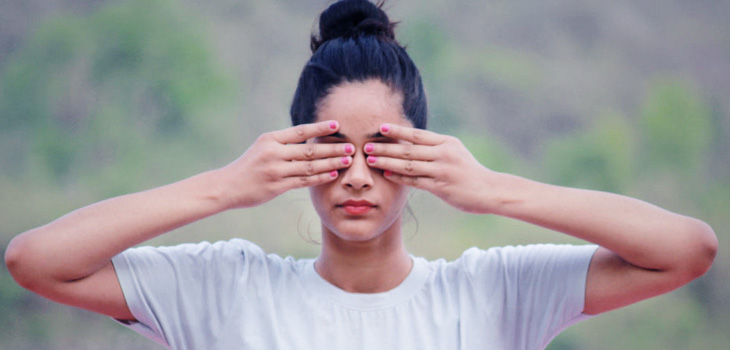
<point x="359" y="176"/>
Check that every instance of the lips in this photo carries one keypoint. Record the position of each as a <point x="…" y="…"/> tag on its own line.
<point x="357" y="207"/>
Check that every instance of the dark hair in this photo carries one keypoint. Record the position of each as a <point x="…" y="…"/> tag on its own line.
<point x="356" y="42"/>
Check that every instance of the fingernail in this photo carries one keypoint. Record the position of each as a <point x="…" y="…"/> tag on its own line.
<point x="333" y="173"/>
<point x="346" y="160"/>
<point x="369" y="147"/>
<point x="349" y="148"/>
<point x="384" y="128"/>
<point x="387" y="173"/>
<point x="333" y="125"/>
<point x="372" y="159"/>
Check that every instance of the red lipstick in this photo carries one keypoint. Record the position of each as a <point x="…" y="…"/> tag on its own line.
<point x="357" y="207"/>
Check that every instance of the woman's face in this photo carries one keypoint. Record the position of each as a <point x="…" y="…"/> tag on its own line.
<point x="360" y="205"/>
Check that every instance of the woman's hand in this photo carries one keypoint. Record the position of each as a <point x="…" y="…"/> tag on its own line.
<point x="280" y="161"/>
<point x="436" y="163"/>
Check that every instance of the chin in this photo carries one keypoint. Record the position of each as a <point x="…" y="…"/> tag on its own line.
<point x="359" y="230"/>
<point x="357" y="234"/>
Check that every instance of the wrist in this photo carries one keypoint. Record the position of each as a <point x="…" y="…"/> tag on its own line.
<point x="211" y="187"/>
<point x="504" y="193"/>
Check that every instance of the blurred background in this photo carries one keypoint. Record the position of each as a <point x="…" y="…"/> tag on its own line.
<point x="104" y="97"/>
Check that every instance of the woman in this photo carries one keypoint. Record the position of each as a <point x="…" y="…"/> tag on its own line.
<point x="359" y="143"/>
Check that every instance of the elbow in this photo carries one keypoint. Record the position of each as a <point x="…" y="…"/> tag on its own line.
<point x="703" y="247"/>
<point x="13" y="256"/>
<point x="711" y="246"/>
<point x="18" y="262"/>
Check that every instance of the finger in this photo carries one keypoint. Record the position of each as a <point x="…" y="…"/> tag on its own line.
<point x="402" y="151"/>
<point x="403" y="166"/>
<point x="313" y="167"/>
<point x="414" y="135"/>
<point x="424" y="183"/>
<point x="304" y="132"/>
<point x="308" y="181"/>
<point x="310" y="151"/>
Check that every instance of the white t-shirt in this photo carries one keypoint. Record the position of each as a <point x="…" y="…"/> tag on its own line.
<point x="231" y="295"/>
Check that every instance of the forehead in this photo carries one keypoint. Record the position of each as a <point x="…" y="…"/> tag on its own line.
<point x="361" y="107"/>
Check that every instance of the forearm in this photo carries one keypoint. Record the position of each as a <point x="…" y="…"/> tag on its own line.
<point x="640" y="233"/>
<point x="81" y="242"/>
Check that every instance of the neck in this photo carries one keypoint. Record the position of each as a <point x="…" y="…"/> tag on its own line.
<point x="373" y="266"/>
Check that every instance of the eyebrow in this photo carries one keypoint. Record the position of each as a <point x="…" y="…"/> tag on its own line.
<point x="339" y="135"/>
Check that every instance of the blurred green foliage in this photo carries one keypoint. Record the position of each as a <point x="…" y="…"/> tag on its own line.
<point x="601" y="158"/>
<point x="131" y="94"/>
<point x="677" y="129"/>
<point x="82" y="86"/>
<point x="90" y="99"/>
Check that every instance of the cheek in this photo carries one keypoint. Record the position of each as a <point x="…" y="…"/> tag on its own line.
<point x="317" y="195"/>
<point x="399" y="195"/>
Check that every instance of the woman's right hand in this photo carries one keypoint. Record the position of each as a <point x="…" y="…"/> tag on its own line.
<point x="282" y="160"/>
<point x="86" y="239"/>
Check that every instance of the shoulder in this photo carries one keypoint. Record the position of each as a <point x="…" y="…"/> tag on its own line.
<point x="522" y="254"/>
<point x="204" y="249"/>
<point x="221" y="265"/>
<point x="220" y="256"/>
<point x="200" y="251"/>
<point x="509" y="261"/>
<point x="530" y="271"/>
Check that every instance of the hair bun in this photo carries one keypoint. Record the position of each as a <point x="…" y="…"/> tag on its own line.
<point x="352" y="18"/>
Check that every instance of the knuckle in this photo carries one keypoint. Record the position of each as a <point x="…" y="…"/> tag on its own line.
<point x="408" y="151"/>
<point x="441" y="174"/>
<point x="445" y="155"/>
<point x="271" y="175"/>
<point x="300" y="130"/>
<point x="267" y="154"/>
<point x="453" y="141"/>
<point x="309" y="151"/>
<point x="417" y="134"/>
<point x="409" y="167"/>
<point x="265" y="137"/>
<point x="309" y="168"/>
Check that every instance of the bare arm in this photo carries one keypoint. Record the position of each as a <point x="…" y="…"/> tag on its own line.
<point x="73" y="253"/>
<point x="69" y="259"/>
<point x="644" y="250"/>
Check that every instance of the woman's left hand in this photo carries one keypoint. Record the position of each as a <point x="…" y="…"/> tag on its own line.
<point x="433" y="162"/>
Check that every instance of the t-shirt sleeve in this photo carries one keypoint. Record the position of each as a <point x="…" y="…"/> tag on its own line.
<point x="181" y="295"/>
<point x="541" y="287"/>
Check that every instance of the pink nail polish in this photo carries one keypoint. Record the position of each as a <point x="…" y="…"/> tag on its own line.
<point x="387" y="173"/>
<point x="369" y="147"/>
<point x="348" y="149"/>
<point x="346" y="160"/>
<point x="333" y="125"/>
<point x="384" y="128"/>
<point x="372" y="159"/>
<point x="333" y="173"/>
